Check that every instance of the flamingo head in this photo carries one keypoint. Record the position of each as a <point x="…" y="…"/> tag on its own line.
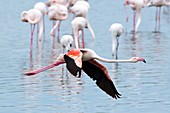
<point x="24" y="16"/>
<point x="67" y="42"/>
<point x="137" y="59"/>
<point x="126" y="2"/>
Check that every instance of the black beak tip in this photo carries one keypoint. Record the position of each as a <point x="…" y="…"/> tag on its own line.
<point x="144" y="61"/>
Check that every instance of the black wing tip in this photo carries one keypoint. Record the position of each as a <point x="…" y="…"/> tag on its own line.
<point x="116" y="96"/>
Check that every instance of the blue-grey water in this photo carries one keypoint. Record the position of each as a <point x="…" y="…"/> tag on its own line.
<point x="144" y="87"/>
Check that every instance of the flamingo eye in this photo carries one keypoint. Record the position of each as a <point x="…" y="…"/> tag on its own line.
<point x="64" y="46"/>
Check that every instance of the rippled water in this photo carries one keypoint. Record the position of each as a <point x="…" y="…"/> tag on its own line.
<point x="144" y="87"/>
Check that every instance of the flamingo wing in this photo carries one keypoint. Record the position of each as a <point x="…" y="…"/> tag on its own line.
<point x="98" y="72"/>
<point x="72" y="66"/>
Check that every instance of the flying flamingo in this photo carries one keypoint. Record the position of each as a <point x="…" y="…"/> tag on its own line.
<point x="78" y="24"/>
<point x="66" y="42"/>
<point x="84" y="59"/>
<point x="33" y="16"/>
<point x="136" y="6"/>
<point x="158" y="4"/>
<point x="116" y="30"/>
<point x="42" y="7"/>
<point x="57" y="12"/>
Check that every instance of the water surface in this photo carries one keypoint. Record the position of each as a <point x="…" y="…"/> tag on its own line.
<point x="144" y="87"/>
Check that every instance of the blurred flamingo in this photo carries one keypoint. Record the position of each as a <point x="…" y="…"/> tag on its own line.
<point x="66" y="42"/>
<point x="136" y="6"/>
<point x="42" y="7"/>
<point x="53" y="2"/>
<point x="33" y="16"/>
<point x="80" y="8"/>
<point x="70" y="3"/>
<point x="116" y="30"/>
<point x="84" y="59"/>
<point x="158" y="4"/>
<point x="78" y="24"/>
<point x="57" y="12"/>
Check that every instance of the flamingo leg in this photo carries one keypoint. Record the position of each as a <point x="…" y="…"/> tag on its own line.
<point x="31" y="44"/>
<point x="82" y="38"/>
<point x="53" y="24"/>
<point x="37" y="30"/>
<point x="159" y="18"/>
<point x="156" y="19"/>
<point x="58" y="37"/>
<point x="44" y="26"/>
<point x="134" y="19"/>
<point x="78" y="38"/>
<point x="117" y="48"/>
<point x="31" y="38"/>
<point x="127" y="17"/>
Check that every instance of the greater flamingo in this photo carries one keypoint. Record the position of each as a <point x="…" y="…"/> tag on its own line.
<point x="136" y="5"/>
<point x="84" y="59"/>
<point x="33" y="16"/>
<point x="66" y="42"/>
<point x="116" y="30"/>
<point x="70" y="3"/>
<point x="79" y="9"/>
<point x="57" y="12"/>
<point x="42" y="7"/>
<point x="53" y="2"/>
<point x="78" y="24"/>
<point x="158" y="4"/>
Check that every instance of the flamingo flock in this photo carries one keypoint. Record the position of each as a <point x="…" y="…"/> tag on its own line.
<point x="75" y="55"/>
<point x="137" y="6"/>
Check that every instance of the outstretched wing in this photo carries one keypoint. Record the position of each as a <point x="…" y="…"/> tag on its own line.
<point x="98" y="72"/>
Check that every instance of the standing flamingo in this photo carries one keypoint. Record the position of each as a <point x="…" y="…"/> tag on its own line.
<point x="84" y="59"/>
<point x="116" y="30"/>
<point x="57" y="12"/>
<point x="53" y="2"/>
<point x="70" y="3"/>
<point x="33" y="16"/>
<point x="42" y="7"/>
<point x="158" y="4"/>
<point x="78" y="24"/>
<point x="136" y="5"/>
<point x="79" y="10"/>
<point x="66" y="42"/>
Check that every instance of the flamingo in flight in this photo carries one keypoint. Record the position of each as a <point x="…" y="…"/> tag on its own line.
<point x="33" y="16"/>
<point x="78" y="24"/>
<point x="116" y="30"/>
<point x="57" y="12"/>
<point x="158" y="4"/>
<point x="136" y="6"/>
<point x="85" y="59"/>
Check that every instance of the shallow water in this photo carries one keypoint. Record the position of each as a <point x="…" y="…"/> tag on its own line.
<point x="144" y="87"/>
